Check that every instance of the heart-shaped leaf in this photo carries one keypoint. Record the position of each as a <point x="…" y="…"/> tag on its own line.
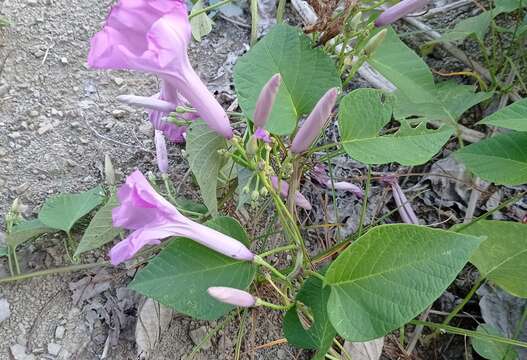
<point x="390" y="275"/>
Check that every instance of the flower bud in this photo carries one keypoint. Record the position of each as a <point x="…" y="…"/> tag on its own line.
<point x="252" y="145"/>
<point x="374" y="43"/>
<point x="398" y="11"/>
<point x="161" y="152"/>
<point x="146" y="102"/>
<point x="266" y="100"/>
<point x="315" y="122"/>
<point x="232" y="296"/>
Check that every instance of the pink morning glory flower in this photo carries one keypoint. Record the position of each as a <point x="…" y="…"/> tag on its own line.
<point x="320" y="175"/>
<point x="283" y="187"/>
<point x="399" y="10"/>
<point x="403" y="205"/>
<point x="153" y="36"/>
<point x="232" y="296"/>
<point x="315" y="122"/>
<point x="152" y="218"/>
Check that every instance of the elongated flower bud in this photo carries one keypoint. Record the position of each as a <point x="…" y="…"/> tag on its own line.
<point x="315" y="122"/>
<point x="161" y="152"/>
<point x="266" y="100"/>
<point x="403" y="205"/>
<point x="148" y="102"/>
<point x="400" y="10"/>
<point x="283" y="187"/>
<point x="232" y="296"/>
<point x="374" y="43"/>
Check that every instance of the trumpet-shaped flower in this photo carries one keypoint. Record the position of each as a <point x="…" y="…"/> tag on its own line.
<point x="283" y="187"/>
<point x="320" y="175"/>
<point x="315" y="122"/>
<point x="232" y="296"/>
<point x="152" y="218"/>
<point x="153" y="36"/>
<point x="399" y="10"/>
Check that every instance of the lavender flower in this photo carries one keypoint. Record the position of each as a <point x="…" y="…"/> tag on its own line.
<point x="153" y="36"/>
<point x="400" y="10"/>
<point x="153" y="218"/>
<point x="283" y="187"/>
<point x="320" y="175"/>
<point x="232" y="296"/>
<point x="403" y="205"/>
<point x="315" y="122"/>
<point x="161" y="152"/>
<point x="266" y="100"/>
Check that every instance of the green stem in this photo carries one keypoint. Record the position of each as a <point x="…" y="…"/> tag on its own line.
<point x="277" y="250"/>
<point x="315" y="274"/>
<point x="365" y="203"/>
<point x="258" y="260"/>
<point x="209" y="8"/>
<point x="469" y="333"/>
<point x="53" y="271"/>
<point x="280" y="11"/>
<point x="167" y="188"/>
<point x="488" y="213"/>
<point x="462" y="304"/>
<point x="260" y="302"/>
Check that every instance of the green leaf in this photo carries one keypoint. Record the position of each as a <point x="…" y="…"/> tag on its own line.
<point x="3" y="251"/>
<point x="502" y="258"/>
<point x="205" y="162"/>
<point x="492" y="350"/>
<point x="62" y="211"/>
<point x="476" y="26"/>
<point x="391" y="274"/>
<point x="101" y="230"/>
<point x="320" y="334"/>
<point x="501" y="159"/>
<point x="307" y="74"/>
<point x="25" y="231"/>
<point x="201" y="25"/>
<point x="181" y="274"/>
<point x="362" y="116"/>
<point x="404" y="68"/>
<point x="512" y="117"/>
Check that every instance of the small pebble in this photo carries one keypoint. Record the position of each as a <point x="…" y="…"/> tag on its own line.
<point x="5" y="311"/>
<point x="64" y="60"/>
<point x="33" y="113"/>
<point x="118" y="113"/>
<point x="59" y="332"/>
<point x="197" y="336"/>
<point x="54" y="349"/>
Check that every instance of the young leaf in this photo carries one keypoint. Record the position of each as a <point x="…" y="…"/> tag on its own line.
<point x="307" y="74"/>
<point x="320" y="334"/>
<point x="181" y="274"/>
<point x="501" y="159"/>
<point x="362" y="116"/>
<point x="492" y="350"/>
<point x="512" y="117"/>
<point x="391" y="274"/>
<point x="62" y="211"/>
<point x="25" y="231"/>
<point x="502" y="258"/>
<point x="201" y="24"/>
<point x="205" y="162"/>
<point x="101" y="230"/>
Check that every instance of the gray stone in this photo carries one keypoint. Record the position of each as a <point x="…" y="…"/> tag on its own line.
<point x="281" y="354"/>
<point x="14" y="135"/>
<point x="119" y="113"/>
<point x="198" y="335"/>
<point x="5" y="311"/>
<point x="54" y="349"/>
<point x="118" y="81"/>
<point x="3" y="152"/>
<point x="59" y="332"/>
<point x="44" y="128"/>
<point x="64" y="60"/>
<point x="18" y="352"/>
<point x="33" y="113"/>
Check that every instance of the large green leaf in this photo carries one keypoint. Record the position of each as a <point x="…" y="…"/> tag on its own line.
<point x="391" y="274"/>
<point x="501" y="159"/>
<point x="25" y="231"/>
<point x="512" y="117"/>
<point x="307" y="73"/>
<point x="205" y="162"/>
<point x="492" y="350"/>
<point x="404" y="68"/>
<point x="320" y="334"/>
<point x="476" y="26"/>
<point x="101" y="230"/>
<point x="62" y="211"/>
<point x="362" y="116"/>
<point x="416" y="93"/>
<point x="181" y="274"/>
<point x="502" y="258"/>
